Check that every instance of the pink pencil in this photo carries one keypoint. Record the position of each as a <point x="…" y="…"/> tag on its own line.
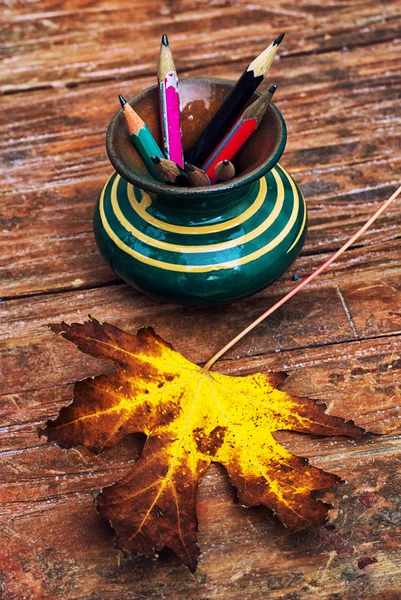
<point x="169" y="102"/>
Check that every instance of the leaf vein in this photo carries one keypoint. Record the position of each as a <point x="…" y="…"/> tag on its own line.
<point x="168" y="476"/>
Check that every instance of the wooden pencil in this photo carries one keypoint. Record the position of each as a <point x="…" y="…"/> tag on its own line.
<point x="169" y="171"/>
<point x="169" y="103"/>
<point x="233" y="104"/>
<point x="196" y="177"/>
<point x="141" y="137"/>
<point x="239" y="133"/>
<point x="224" y="170"/>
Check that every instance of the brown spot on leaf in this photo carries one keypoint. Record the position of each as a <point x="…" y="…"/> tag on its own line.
<point x="209" y="443"/>
<point x="167" y="412"/>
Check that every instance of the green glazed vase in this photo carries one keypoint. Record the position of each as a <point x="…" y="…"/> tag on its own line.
<point x="202" y="246"/>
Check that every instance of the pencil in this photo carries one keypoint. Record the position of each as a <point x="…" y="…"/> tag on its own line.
<point x="196" y="177"/>
<point x="233" y="104"/>
<point x="169" y="103"/>
<point x="224" y="170"/>
<point x="169" y="171"/>
<point x="239" y="133"/>
<point x="141" y="137"/>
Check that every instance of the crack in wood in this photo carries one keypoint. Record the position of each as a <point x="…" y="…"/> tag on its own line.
<point x="347" y="311"/>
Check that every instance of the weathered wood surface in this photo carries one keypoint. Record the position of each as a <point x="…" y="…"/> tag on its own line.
<point x="340" y="340"/>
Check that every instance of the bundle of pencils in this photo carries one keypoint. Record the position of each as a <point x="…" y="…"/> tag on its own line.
<point x="209" y="160"/>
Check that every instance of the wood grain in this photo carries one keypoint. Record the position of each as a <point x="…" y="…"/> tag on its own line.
<point x="339" y="77"/>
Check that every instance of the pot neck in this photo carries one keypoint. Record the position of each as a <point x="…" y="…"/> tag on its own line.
<point x="207" y="202"/>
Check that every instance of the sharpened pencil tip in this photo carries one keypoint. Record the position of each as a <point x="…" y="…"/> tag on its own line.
<point x="189" y="167"/>
<point x="278" y="40"/>
<point x="123" y="101"/>
<point x="155" y="159"/>
<point x="164" y="40"/>
<point x="272" y="89"/>
<point x="226" y="162"/>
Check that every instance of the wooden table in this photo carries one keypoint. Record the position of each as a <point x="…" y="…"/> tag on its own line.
<point x="340" y="340"/>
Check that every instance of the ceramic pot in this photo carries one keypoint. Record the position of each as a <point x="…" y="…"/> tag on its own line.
<point x="206" y="245"/>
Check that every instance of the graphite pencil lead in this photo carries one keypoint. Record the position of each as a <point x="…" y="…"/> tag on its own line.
<point x="155" y="159"/>
<point x="226" y="162"/>
<point x="123" y="101"/>
<point x="278" y="40"/>
<point x="165" y="39"/>
<point x="188" y="167"/>
<point x="272" y="89"/>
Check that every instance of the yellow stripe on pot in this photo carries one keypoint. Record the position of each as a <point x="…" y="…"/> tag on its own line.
<point x="278" y="205"/>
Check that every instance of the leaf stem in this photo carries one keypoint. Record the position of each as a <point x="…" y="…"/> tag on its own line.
<point x="303" y="283"/>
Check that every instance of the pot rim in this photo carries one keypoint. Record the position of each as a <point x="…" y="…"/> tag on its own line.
<point x="220" y="188"/>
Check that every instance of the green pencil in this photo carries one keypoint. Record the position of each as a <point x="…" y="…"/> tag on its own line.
<point x="141" y="137"/>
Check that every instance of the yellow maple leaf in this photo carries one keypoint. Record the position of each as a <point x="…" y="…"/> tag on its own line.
<point x="191" y="417"/>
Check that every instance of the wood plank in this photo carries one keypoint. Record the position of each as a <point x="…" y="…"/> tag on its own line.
<point x="108" y="41"/>
<point x="326" y="562"/>
<point x="50" y="361"/>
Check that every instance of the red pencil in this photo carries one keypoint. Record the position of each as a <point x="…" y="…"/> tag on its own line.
<point x="239" y="133"/>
